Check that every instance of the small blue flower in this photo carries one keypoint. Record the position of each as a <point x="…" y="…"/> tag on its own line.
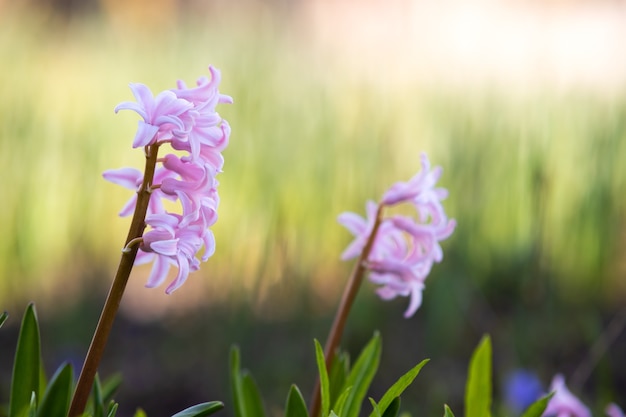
<point x="522" y="388"/>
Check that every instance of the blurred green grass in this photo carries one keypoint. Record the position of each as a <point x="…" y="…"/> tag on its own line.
<point x="539" y="172"/>
<point x="536" y="184"/>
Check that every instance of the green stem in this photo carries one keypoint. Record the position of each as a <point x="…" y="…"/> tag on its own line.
<point x="347" y="299"/>
<point x="112" y="303"/>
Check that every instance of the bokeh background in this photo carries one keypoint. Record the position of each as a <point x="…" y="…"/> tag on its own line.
<point x="522" y="103"/>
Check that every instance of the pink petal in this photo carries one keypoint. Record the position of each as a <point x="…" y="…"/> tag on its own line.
<point x="165" y="247"/>
<point x="146" y="134"/>
<point x="183" y="273"/>
<point x="126" y="177"/>
<point x="160" y="268"/>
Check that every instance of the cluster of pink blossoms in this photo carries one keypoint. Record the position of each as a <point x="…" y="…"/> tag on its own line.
<point x="405" y="247"/>
<point x="564" y="404"/>
<point x="186" y="119"/>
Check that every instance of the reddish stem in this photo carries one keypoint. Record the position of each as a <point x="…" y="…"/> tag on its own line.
<point x="347" y="299"/>
<point x="112" y="303"/>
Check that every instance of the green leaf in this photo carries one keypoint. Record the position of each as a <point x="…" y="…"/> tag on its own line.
<point x="324" y="384"/>
<point x="393" y="408"/>
<point x="537" y="408"/>
<point x="3" y="317"/>
<point x="110" y="387"/>
<point x="337" y="376"/>
<point x="56" y="399"/>
<point x="478" y="388"/>
<point x="236" y="385"/>
<point x="251" y="396"/>
<point x="399" y="386"/>
<point x="295" y="405"/>
<point x="341" y="401"/>
<point x="27" y="363"/>
<point x="361" y="376"/>
<point x="245" y="393"/>
<point x="32" y="409"/>
<point x="375" y="409"/>
<point x="112" y="409"/>
<point x="140" y="413"/>
<point x="447" y="412"/>
<point x="201" y="410"/>
<point x="98" y="404"/>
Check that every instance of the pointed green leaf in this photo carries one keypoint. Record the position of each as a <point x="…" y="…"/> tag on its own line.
<point x="27" y="363"/>
<point x="43" y="379"/>
<point x="341" y="401"/>
<point x="140" y="413"/>
<point x="537" y="408"/>
<point x="110" y="387"/>
<point x="3" y="317"/>
<point x="295" y="405"/>
<point x="112" y="409"/>
<point x="98" y="404"/>
<point x="361" y="376"/>
<point x="324" y="384"/>
<point x="399" y="386"/>
<point x="236" y="385"/>
<point x="251" y="396"/>
<point x="393" y="408"/>
<point x="447" y="412"/>
<point x="56" y="399"/>
<point x="478" y="388"/>
<point x="201" y="410"/>
<point x="32" y="408"/>
<point x="332" y="414"/>
<point x="337" y="375"/>
<point x="375" y="409"/>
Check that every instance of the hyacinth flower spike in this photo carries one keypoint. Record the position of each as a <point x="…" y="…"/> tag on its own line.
<point x="564" y="403"/>
<point x="612" y="410"/>
<point x="398" y="251"/>
<point x="186" y="120"/>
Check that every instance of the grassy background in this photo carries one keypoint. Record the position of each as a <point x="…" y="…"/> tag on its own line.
<point x="535" y="178"/>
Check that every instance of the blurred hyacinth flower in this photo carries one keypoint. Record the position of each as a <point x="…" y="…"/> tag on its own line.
<point x="564" y="403"/>
<point x="521" y="389"/>
<point x="612" y="410"/>
<point x="187" y="120"/>
<point x="405" y="247"/>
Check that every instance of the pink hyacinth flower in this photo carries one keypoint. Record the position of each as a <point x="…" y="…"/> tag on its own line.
<point x="359" y="227"/>
<point x="161" y="114"/>
<point x="186" y="119"/>
<point x="420" y="188"/>
<point x="169" y="244"/>
<point x="564" y="403"/>
<point x="404" y="248"/>
<point x="208" y="130"/>
<point x="132" y="179"/>
<point x="612" y="410"/>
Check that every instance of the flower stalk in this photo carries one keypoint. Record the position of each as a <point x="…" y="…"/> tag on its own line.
<point x="347" y="299"/>
<point x="112" y="303"/>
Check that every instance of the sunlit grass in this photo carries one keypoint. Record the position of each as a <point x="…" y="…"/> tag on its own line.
<point x="535" y="174"/>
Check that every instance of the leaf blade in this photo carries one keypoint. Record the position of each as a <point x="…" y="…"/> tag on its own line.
<point x="56" y="399"/>
<point x="235" y="382"/>
<point x="393" y="408"/>
<point x="399" y="386"/>
<point x="27" y="363"/>
<point x="478" y="387"/>
<point x="447" y="412"/>
<point x="201" y="410"/>
<point x="361" y="376"/>
<point x="295" y="405"/>
<point x="323" y="373"/>
<point x="252" y="398"/>
<point x="537" y="408"/>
